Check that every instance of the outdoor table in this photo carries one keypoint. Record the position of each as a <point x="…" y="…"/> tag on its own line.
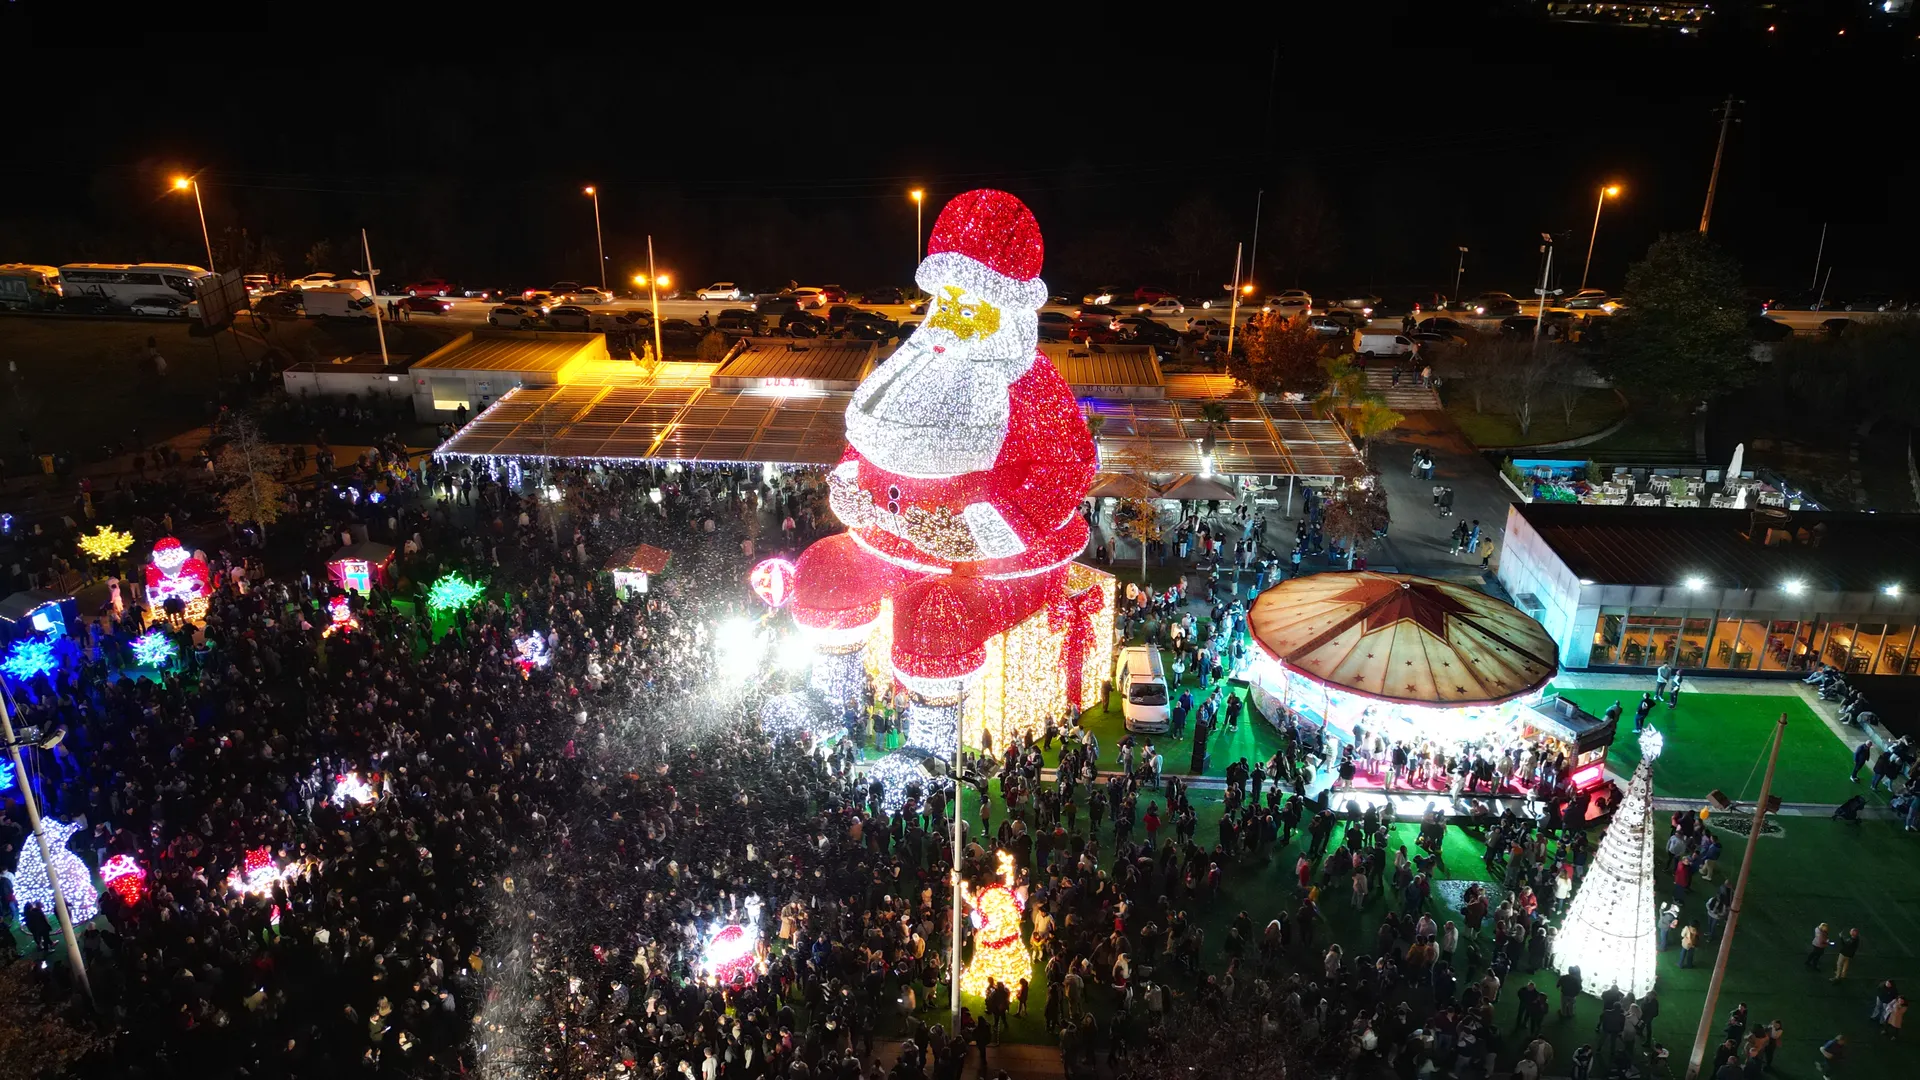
<point x="1772" y="498"/>
<point x="1646" y="499"/>
<point x="1659" y="484"/>
<point x="1682" y="500"/>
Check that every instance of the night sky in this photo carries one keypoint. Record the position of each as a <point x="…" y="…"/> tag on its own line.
<point x="1382" y="137"/>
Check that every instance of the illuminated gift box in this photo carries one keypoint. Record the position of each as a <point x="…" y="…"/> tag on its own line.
<point x="1054" y="661"/>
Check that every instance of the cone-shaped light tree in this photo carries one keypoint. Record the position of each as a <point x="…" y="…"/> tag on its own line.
<point x="1609" y="932"/>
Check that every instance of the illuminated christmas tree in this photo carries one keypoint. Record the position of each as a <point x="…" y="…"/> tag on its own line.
<point x="1609" y="931"/>
<point x="999" y="953"/>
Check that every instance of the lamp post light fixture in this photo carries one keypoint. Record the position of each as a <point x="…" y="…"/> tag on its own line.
<point x="188" y="183"/>
<point x="919" y="198"/>
<point x="1695" y="583"/>
<point x="1610" y="191"/>
<point x="598" y="242"/>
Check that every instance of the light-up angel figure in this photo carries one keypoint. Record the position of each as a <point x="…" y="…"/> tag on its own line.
<point x="998" y="951"/>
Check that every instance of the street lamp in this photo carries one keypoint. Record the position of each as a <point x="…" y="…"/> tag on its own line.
<point x="1458" y="271"/>
<point x="1611" y="191"/>
<point x="186" y="183"/>
<point x="598" y="242"/>
<point x="919" y="198"/>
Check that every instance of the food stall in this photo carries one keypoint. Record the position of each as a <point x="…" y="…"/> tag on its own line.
<point x="633" y="574"/>
<point x="359" y="567"/>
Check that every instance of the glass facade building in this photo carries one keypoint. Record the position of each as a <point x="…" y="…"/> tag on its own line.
<point x="1712" y="591"/>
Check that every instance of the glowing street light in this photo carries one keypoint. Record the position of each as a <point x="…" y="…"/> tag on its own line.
<point x="1611" y="191"/>
<point x="594" y="194"/>
<point x="919" y="198"/>
<point x="188" y="183"/>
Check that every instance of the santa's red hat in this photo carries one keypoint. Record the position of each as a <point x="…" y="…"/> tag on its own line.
<point x="988" y="243"/>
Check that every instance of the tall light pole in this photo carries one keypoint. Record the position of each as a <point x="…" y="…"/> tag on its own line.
<point x="1719" y="155"/>
<point x="919" y="198"/>
<point x="1610" y="191"/>
<point x="598" y="243"/>
<point x="1705" y="1031"/>
<point x="46" y="849"/>
<point x="373" y="289"/>
<point x="184" y="183"/>
<point x="653" y="291"/>
<point x="1546" y="272"/>
<point x="1459" y="270"/>
<point x="1233" y="306"/>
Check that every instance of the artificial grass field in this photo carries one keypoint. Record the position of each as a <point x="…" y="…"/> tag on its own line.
<point x="1721" y="740"/>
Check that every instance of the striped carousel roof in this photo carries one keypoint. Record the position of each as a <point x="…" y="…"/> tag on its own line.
<point x="1400" y="638"/>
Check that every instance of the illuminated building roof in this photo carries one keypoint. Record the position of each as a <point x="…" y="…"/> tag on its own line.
<point x="1406" y="639"/>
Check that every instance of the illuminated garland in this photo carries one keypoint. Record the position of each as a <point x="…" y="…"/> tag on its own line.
<point x="29" y="657"/>
<point x="453" y="592"/>
<point x="1610" y="932"/>
<point x="126" y="877"/>
<point x="728" y="951"/>
<point x="908" y="771"/>
<point x="999" y="954"/>
<point x="30" y="885"/>
<point x="155" y="648"/>
<point x="107" y="544"/>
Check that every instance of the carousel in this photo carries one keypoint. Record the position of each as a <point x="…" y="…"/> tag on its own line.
<point x="1441" y="672"/>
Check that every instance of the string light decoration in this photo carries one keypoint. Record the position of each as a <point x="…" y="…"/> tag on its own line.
<point x="1609" y="932"/>
<point x="999" y="954"/>
<point x="772" y="582"/>
<point x="908" y="772"/>
<point x="349" y="787"/>
<point x="30" y="885"/>
<point x="174" y="573"/>
<point x="106" y="544"/>
<point x="259" y="874"/>
<point x="451" y="592"/>
<point x="801" y="714"/>
<point x="6" y="775"/>
<point x="155" y="648"/>
<point x="531" y="652"/>
<point x="126" y="877"/>
<point x="31" y="657"/>
<point x="340" y="617"/>
<point x="728" y="952"/>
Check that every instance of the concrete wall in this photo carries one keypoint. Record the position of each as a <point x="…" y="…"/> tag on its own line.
<point x="1528" y="566"/>
<point x="345" y="382"/>
<point x="478" y="389"/>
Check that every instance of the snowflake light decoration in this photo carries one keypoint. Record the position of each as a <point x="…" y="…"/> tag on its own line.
<point x="531" y="652"/>
<point x="727" y="954"/>
<point x="106" y="544"/>
<point x="452" y="592"/>
<point x="1651" y="743"/>
<point x="29" y="657"/>
<point x="348" y="787"/>
<point x="155" y="648"/>
<point x="30" y="885"/>
<point x="126" y="877"/>
<point x="998" y="953"/>
<point x="6" y="775"/>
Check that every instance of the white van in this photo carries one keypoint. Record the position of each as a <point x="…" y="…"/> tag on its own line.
<point x="1376" y="343"/>
<point x="1142" y="684"/>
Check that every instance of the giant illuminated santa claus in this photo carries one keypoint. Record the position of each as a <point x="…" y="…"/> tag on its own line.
<point x="966" y="465"/>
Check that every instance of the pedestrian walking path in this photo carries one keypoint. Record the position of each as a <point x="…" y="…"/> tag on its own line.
<point x="1404" y="397"/>
<point x="1420" y="540"/>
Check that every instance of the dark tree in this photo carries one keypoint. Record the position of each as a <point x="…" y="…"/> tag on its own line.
<point x="1682" y="339"/>
<point x="1280" y="356"/>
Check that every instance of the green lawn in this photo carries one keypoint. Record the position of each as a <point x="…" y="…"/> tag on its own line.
<point x="1497" y="427"/>
<point x="1721" y="740"/>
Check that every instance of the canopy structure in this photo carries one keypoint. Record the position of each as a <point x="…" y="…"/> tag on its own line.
<point x="1121" y="486"/>
<point x="647" y="559"/>
<point x="1189" y="487"/>
<point x="1403" y="639"/>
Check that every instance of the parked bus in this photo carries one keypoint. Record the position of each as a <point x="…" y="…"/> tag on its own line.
<point x="27" y="287"/>
<point x="120" y="284"/>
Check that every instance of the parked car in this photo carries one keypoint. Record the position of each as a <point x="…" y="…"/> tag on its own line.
<point x="772" y="304"/>
<point x="1590" y="295"/>
<point x="1597" y="302"/>
<point x="920" y="306"/>
<point x="165" y="307"/>
<point x="1223" y="302"/>
<point x="257" y="283"/>
<point x="1055" y="325"/>
<point x="1329" y="327"/>
<point x="514" y="316"/>
<point x="720" y="290"/>
<point x="1291" y="302"/>
<point x="1377" y="343"/>
<point x="82" y="305"/>
<point x="838" y="314"/>
<point x="882" y="296"/>
<point x="1102" y="309"/>
<point x="864" y="330"/>
<point x="478" y="292"/>
<point x="1441" y="324"/>
<point x="804" y="324"/>
<point x="570" y="317"/>
<point x="562" y="288"/>
<point x="1147" y="294"/>
<point x="318" y="280"/>
<point x="1434" y="340"/>
<point x="809" y="298"/>
<point x="590" y="295"/>
<point x="1102" y="295"/>
<point x="1165" y="305"/>
<point x="432" y="286"/>
<point x="636" y="320"/>
<point x="1495" y="305"/>
<point x="1099" y="329"/>
<point x="1146" y="331"/>
<point x="1347" y="318"/>
<point x="426" y="305"/>
<point x="284" y="302"/>
<point x="740" y="322"/>
<point x="835" y="294"/>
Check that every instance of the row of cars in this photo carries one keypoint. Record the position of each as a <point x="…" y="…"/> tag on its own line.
<point x="840" y="321"/>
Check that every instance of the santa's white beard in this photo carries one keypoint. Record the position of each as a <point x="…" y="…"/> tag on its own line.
<point x="930" y="414"/>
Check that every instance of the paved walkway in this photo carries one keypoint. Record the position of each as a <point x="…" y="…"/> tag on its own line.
<point x="1404" y="396"/>
<point x="1419" y="538"/>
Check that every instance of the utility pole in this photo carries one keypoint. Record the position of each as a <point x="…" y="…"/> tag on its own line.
<point x="46" y="849"/>
<point x="1707" y="1016"/>
<point x="373" y="288"/>
<point x="1234" y="308"/>
<point x="1459" y="271"/>
<point x="1818" y="255"/>
<point x="953" y="969"/>
<point x="1254" y="255"/>
<point x="1719" y="154"/>
<point x="1546" y="272"/>
<point x="653" y="293"/>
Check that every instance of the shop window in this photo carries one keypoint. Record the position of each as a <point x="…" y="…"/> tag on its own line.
<point x="1606" y="636"/>
<point x="1691" y="649"/>
<point x="1651" y="638"/>
<point x="1839" y="647"/>
<point x="1739" y="644"/>
<point x="1896" y="655"/>
<point x="1866" y="647"/>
